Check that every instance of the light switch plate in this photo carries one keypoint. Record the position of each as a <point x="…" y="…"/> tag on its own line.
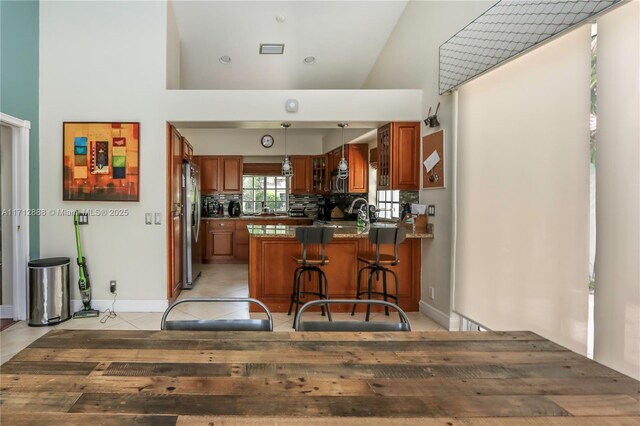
<point x="157" y="218"/>
<point x="148" y="219"/>
<point x="431" y="210"/>
<point x="83" y="218"/>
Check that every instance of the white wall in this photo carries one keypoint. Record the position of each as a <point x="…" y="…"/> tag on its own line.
<point x="617" y="294"/>
<point x="246" y="142"/>
<point x="522" y="245"/>
<point x="333" y="137"/>
<point x="410" y="60"/>
<point x="100" y="62"/>
<point x="6" y="203"/>
<point x="173" y="49"/>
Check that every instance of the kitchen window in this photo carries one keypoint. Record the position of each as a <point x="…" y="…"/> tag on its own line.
<point x="272" y="190"/>
<point x="388" y="204"/>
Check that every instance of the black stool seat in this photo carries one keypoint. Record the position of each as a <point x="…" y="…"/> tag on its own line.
<point x="377" y="263"/>
<point x="310" y="264"/>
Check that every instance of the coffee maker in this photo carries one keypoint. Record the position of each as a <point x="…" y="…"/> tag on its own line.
<point x="324" y="209"/>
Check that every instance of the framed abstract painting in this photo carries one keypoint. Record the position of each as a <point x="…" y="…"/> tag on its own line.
<point x="101" y="161"/>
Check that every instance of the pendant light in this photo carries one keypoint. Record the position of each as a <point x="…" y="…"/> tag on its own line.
<point x="287" y="168"/>
<point x="343" y="166"/>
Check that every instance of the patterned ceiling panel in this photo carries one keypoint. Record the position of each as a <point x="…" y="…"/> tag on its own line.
<point x="508" y="28"/>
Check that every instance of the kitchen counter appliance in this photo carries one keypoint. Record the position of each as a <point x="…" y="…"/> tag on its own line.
<point x="234" y="208"/>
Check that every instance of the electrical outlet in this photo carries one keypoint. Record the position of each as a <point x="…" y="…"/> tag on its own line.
<point x="83" y="218"/>
<point x="432" y="293"/>
<point x="148" y="219"/>
<point x="112" y="286"/>
<point x="431" y="210"/>
<point x="157" y="218"/>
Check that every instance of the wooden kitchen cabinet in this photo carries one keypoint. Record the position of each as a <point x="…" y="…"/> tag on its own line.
<point x="231" y="175"/>
<point x="301" y="179"/>
<point x="358" y="167"/>
<point x="399" y="156"/>
<point x="220" y="174"/>
<point x="319" y="174"/>
<point x="209" y="183"/>
<point x="187" y="150"/>
<point x="219" y="241"/>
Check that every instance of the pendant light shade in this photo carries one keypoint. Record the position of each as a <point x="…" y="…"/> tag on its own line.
<point x="287" y="168"/>
<point x="343" y="166"/>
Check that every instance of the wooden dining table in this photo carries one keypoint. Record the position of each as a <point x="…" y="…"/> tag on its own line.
<point x="112" y="377"/>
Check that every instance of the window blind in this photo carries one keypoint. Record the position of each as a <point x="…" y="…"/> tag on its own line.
<point x="522" y="194"/>
<point x="617" y="297"/>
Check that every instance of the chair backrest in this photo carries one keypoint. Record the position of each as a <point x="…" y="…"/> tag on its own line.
<point x="314" y="235"/>
<point x="392" y="235"/>
<point x="218" y="324"/>
<point x="403" y="325"/>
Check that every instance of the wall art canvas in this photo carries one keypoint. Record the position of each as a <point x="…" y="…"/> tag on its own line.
<point x="101" y="161"/>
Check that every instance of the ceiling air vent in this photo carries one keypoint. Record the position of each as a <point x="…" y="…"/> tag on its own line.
<point x="271" y="49"/>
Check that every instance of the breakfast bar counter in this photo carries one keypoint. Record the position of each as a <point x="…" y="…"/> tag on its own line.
<point x="271" y="266"/>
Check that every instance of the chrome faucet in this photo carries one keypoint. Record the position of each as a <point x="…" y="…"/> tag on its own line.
<point x="366" y="211"/>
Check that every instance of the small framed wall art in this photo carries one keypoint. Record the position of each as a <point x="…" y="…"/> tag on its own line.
<point x="101" y="161"/>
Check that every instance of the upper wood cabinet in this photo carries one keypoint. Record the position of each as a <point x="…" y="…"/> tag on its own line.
<point x="319" y="174"/>
<point x="209" y="175"/>
<point x="399" y="156"/>
<point x="220" y="174"/>
<point x="301" y="179"/>
<point x="358" y="159"/>
<point x="231" y="175"/>
<point x="187" y="150"/>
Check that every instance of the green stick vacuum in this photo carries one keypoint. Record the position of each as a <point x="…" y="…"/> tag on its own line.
<point x="83" y="283"/>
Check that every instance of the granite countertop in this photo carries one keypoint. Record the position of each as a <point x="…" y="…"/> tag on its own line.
<point x="256" y="217"/>
<point x="341" y="231"/>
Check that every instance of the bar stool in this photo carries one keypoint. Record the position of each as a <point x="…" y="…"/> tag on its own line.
<point x="378" y="263"/>
<point x="311" y="235"/>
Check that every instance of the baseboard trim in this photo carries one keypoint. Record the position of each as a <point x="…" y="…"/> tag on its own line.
<point x="450" y="322"/>
<point x="124" y="305"/>
<point x="6" y="311"/>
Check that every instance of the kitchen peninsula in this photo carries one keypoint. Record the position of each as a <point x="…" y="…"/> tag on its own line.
<point x="271" y="267"/>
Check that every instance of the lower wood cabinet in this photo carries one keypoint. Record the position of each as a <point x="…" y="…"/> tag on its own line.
<point x="227" y="241"/>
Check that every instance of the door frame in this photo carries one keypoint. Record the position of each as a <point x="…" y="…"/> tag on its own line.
<point x="20" y="202"/>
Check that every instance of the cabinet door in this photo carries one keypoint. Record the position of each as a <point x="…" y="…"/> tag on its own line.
<point x="175" y="282"/>
<point x="219" y="243"/>
<point x="405" y="162"/>
<point x="384" y="157"/>
<point x="300" y="181"/>
<point x="231" y="175"/>
<point x="187" y="149"/>
<point x="358" y="168"/>
<point x="209" y="182"/>
<point x="319" y="174"/>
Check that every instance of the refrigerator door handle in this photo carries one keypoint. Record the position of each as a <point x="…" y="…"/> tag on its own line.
<point x="198" y="212"/>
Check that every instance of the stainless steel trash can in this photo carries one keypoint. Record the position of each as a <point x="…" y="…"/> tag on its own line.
<point x="49" y="291"/>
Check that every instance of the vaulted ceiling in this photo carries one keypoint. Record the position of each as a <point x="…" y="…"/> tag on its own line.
<point x="344" y="37"/>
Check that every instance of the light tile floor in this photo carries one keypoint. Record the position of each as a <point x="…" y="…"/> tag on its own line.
<point x="216" y="280"/>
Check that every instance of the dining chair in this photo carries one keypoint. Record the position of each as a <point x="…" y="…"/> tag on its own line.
<point x="403" y="325"/>
<point x="218" y="324"/>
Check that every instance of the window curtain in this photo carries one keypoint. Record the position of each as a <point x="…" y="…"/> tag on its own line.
<point x="522" y="194"/>
<point x="617" y="294"/>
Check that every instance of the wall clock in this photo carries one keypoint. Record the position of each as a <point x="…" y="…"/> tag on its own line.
<point x="267" y="141"/>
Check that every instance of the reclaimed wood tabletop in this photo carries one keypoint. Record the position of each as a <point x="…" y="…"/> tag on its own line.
<point x="223" y="378"/>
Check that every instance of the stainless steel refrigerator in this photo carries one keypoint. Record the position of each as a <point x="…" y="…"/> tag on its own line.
<point x="192" y="211"/>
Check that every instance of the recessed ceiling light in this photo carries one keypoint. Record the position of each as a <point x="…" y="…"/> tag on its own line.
<point x="309" y="60"/>
<point x="271" y="49"/>
<point x="225" y="59"/>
